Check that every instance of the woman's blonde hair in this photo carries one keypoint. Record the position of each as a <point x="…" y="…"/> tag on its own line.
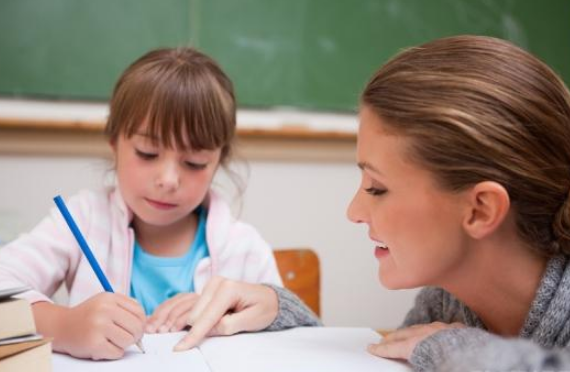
<point x="182" y="95"/>
<point x="480" y="108"/>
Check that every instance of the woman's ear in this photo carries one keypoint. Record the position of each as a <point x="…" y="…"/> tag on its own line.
<point x="488" y="206"/>
<point x="113" y="145"/>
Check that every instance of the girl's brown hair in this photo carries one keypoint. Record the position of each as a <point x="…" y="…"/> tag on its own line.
<point x="183" y="97"/>
<point x="479" y="108"/>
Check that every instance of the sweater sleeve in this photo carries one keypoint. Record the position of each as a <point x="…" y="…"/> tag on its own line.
<point x="41" y="259"/>
<point x="477" y="350"/>
<point x="292" y="312"/>
<point x="428" y="307"/>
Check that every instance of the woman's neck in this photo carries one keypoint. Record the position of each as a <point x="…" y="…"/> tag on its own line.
<point x="166" y="241"/>
<point x="499" y="283"/>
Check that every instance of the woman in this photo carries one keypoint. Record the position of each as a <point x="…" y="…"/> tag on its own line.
<point x="464" y="147"/>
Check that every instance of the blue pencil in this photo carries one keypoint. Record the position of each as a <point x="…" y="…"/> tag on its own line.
<point x="85" y="248"/>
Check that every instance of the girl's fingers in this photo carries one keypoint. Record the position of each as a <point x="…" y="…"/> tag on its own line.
<point x="119" y="336"/>
<point x="128" y="322"/>
<point x="107" y="350"/>
<point x="168" y="312"/>
<point x="181" y="323"/>
<point x="178" y="317"/>
<point x="131" y="306"/>
<point x="158" y="317"/>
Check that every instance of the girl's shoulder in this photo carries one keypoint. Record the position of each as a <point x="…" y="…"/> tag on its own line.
<point x="224" y="230"/>
<point x="97" y="202"/>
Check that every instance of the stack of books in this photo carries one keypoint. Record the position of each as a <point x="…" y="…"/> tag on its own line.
<point x="21" y="348"/>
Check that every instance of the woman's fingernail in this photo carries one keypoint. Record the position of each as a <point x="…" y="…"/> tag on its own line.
<point x="179" y="347"/>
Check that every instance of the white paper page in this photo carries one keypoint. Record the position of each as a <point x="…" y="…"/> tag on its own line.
<point x="300" y="349"/>
<point x="159" y="357"/>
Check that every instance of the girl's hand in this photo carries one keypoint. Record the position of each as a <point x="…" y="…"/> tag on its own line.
<point x="172" y="314"/>
<point x="401" y="343"/>
<point x="100" y="328"/>
<point x="226" y="307"/>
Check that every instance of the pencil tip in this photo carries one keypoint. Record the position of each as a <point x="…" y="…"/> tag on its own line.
<point x="140" y="346"/>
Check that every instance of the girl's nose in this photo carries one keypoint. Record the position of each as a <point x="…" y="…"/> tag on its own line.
<point x="168" y="178"/>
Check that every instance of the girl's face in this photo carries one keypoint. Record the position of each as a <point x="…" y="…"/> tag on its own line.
<point x="162" y="186"/>
<point x="414" y="225"/>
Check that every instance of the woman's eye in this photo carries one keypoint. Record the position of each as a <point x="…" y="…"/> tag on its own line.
<point x="195" y="166"/>
<point x="374" y="191"/>
<point x="146" y="155"/>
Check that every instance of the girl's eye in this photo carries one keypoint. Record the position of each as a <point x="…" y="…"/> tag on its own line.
<point x="374" y="191"/>
<point x="145" y="155"/>
<point x="195" y="166"/>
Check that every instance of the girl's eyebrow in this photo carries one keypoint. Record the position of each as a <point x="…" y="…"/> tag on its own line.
<point x="146" y="136"/>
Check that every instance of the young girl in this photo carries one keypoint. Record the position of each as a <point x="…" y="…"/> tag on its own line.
<point x="161" y="233"/>
<point x="464" y="147"/>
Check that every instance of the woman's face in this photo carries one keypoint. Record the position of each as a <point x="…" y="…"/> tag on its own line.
<point x="415" y="226"/>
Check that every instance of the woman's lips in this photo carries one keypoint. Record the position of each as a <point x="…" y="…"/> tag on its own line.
<point x="380" y="252"/>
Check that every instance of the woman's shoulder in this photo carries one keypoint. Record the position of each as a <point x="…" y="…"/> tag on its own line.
<point x="434" y="304"/>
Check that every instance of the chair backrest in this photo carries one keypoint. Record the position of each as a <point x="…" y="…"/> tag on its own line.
<point x="299" y="269"/>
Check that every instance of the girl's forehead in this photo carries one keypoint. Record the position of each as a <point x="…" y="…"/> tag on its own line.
<point x="157" y="141"/>
<point x="175" y="137"/>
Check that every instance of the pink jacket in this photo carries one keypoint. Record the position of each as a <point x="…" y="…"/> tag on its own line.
<point x="49" y="254"/>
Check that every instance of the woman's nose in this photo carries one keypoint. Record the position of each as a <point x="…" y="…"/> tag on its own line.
<point x="355" y="211"/>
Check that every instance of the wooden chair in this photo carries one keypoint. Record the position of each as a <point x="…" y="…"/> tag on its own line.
<point x="299" y="269"/>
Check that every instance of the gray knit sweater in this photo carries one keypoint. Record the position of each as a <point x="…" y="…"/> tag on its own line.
<point x="543" y="343"/>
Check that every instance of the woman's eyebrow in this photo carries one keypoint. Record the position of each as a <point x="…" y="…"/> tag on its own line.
<point x="367" y="166"/>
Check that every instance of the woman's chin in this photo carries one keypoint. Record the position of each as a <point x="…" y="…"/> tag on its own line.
<point x="392" y="283"/>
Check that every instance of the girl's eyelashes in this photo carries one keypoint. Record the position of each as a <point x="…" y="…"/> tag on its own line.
<point x="195" y="166"/>
<point x="145" y="155"/>
<point x="374" y="191"/>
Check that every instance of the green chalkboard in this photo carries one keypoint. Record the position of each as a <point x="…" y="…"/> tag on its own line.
<point x="309" y="54"/>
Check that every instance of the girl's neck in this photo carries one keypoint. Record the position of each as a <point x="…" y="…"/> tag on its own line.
<point x="499" y="284"/>
<point x="166" y="241"/>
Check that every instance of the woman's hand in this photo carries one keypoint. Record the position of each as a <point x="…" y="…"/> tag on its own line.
<point x="401" y="343"/>
<point x="172" y="314"/>
<point x="226" y="307"/>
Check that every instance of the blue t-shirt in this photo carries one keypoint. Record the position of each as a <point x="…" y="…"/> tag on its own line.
<point x="156" y="279"/>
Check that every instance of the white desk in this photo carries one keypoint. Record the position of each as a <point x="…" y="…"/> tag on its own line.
<point x="300" y="349"/>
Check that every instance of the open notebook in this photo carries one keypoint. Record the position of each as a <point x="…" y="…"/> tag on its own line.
<point x="300" y="349"/>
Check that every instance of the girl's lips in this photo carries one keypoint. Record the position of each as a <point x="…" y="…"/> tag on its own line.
<point x="381" y="252"/>
<point x="160" y="205"/>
